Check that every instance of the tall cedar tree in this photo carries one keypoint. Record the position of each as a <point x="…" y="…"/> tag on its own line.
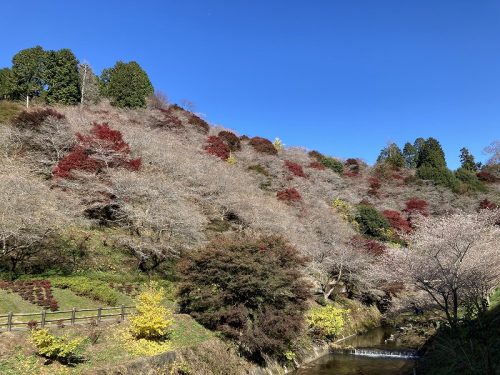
<point x="61" y="77"/>
<point x="250" y="289"/>
<point x="467" y="160"/>
<point x="28" y="70"/>
<point x="128" y="85"/>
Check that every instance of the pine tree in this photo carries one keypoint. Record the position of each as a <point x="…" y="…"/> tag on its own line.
<point x="28" y="70"/>
<point x="467" y="160"/>
<point x="61" y="77"/>
<point x="128" y="85"/>
<point x="431" y="154"/>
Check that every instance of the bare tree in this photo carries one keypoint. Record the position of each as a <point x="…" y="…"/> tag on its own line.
<point x="455" y="259"/>
<point x="494" y="150"/>
<point x="89" y="85"/>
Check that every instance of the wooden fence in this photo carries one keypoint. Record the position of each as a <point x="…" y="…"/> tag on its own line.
<point x="22" y="321"/>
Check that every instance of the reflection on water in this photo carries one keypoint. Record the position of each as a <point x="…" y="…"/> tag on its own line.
<point x="354" y="365"/>
<point x="379" y="340"/>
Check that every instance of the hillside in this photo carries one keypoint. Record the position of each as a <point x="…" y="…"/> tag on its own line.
<point x="121" y="195"/>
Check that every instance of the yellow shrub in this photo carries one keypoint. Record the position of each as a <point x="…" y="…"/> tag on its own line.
<point x="50" y="346"/>
<point x="231" y="159"/>
<point x="152" y="320"/>
<point x="144" y="347"/>
<point x="278" y="145"/>
<point x="346" y="211"/>
<point x="326" y="321"/>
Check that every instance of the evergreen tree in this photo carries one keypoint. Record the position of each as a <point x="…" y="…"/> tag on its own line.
<point x="467" y="160"/>
<point x="28" y="71"/>
<point x="410" y="155"/>
<point x="6" y="88"/>
<point x="391" y="155"/>
<point x="128" y="86"/>
<point x="89" y="85"/>
<point x="431" y="154"/>
<point x="418" y="144"/>
<point x="61" y="77"/>
<point x="104" y="81"/>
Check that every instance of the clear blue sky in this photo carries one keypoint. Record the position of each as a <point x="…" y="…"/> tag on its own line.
<point x="344" y="77"/>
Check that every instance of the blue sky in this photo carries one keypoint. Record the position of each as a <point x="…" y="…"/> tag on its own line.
<point x="343" y="77"/>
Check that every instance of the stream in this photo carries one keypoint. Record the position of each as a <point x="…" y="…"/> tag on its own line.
<point x="373" y="353"/>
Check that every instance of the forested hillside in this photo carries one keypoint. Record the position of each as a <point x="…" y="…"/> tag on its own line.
<point x="104" y="181"/>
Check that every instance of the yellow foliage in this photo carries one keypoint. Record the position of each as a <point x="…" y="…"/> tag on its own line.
<point x="152" y="320"/>
<point x="278" y="145"/>
<point x="55" y="347"/>
<point x="326" y="321"/>
<point x="142" y="346"/>
<point x="231" y="159"/>
<point x="346" y="211"/>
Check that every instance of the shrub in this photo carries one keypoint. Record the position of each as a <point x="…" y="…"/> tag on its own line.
<point x="259" y="169"/>
<point x="230" y="139"/>
<point x="217" y="147"/>
<point x="415" y="205"/>
<point x="263" y="145"/>
<point x="9" y="111"/>
<point x="169" y="120"/>
<point x="84" y="286"/>
<point x="371" y="222"/>
<point x="33" y="119"/>
<point x="469" y="180"/>
<point x="102" y="148"/>
<point x="398" y="222"/>
<point x="250" y="289"/>
<point x="295" y="168"/>
<point x="486" y="204"/>
<point x="278" y="145"/>
<point x="368" y="245"/>
<point x="440" y="176"/>
<point x="316" y="155"/>
<point x="199" y="123"/>
<point x="317" y="165"/>
<point x="333" y="164"/>
<point x="289" y="195"/>
<point x="486" y="177"/>
<point x="326" y="321"/>
<point x="152" y="320"/>
<point x="353" y="167"/>
<point x="375" y="185"/>
<point x="54" y="347"/>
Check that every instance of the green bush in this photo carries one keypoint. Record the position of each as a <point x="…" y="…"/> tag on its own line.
<point x="333" y="164"/>
<point x="326" y="321"/>
<point x="84" y="286"/>
<point x="8" y="111"/>
<point x="441" y="176"/>
<point x="372" y="222"/>
<point x="469" y="180"/>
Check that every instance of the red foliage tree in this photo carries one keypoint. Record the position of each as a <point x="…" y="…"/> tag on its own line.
<point x="295" y="168"/>
<point x="317" y="165"/>
<point x="486" y="204"/>
<point x="289" y="195"/>
<point x="415" y="205"/>
<point x="231" y="140"/>
<point x="375" y="185"/>
<point x="102" y="148"/>
<point x="397" y="221"/>
<point x="486" y="177"/>
<point x="368" y="245"/>
<point x="263" y="145"/>
<point x="217" y="147"/>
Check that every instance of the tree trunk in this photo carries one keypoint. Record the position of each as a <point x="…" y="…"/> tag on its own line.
<point x="27" y="101"/>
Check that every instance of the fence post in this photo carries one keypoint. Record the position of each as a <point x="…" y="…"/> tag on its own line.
<point x="122" y="312"/>
<point x="99" y="313"/>
<point x="9" y="321"/>
<point x="44" y="313"/>
<point x="73" y="316"/>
